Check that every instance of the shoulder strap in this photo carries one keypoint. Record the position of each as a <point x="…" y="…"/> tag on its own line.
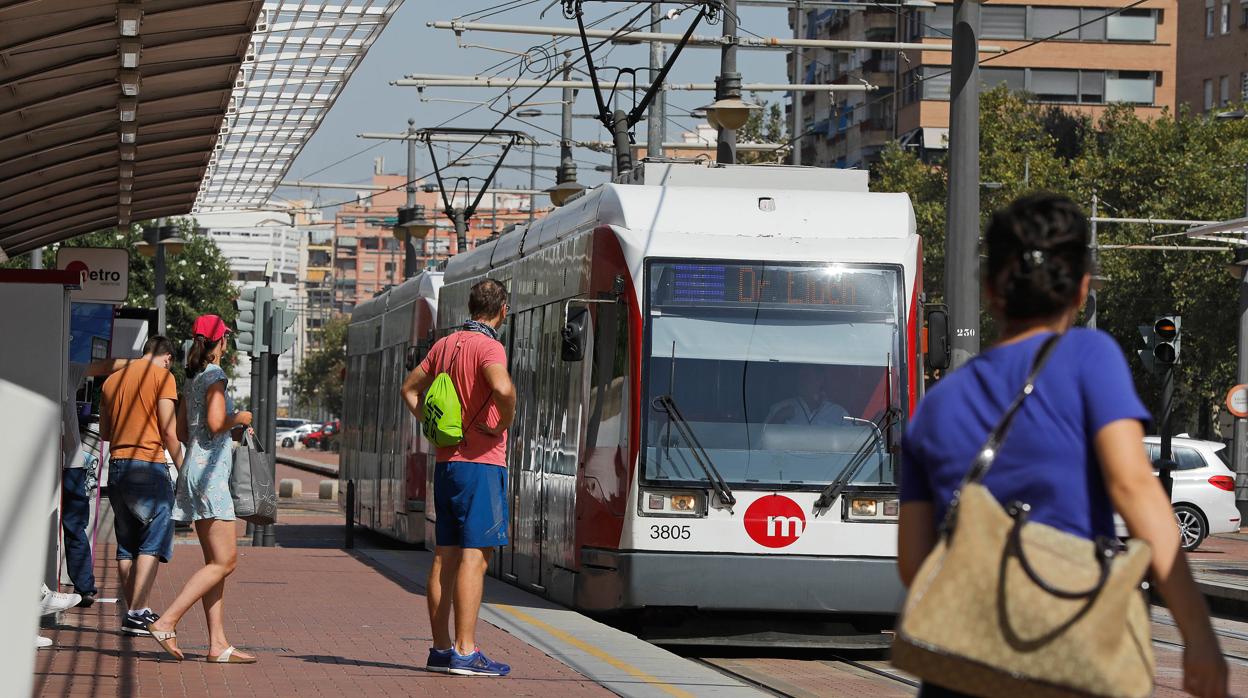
<point x="988" y="452"/>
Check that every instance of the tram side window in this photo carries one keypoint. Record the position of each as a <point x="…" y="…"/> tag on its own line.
<point x="609" y="378"/>
<point x="372" y="379"/>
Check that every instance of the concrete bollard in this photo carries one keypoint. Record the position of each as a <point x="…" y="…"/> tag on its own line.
<point x="290" y="488"/>
<point x="329" y="489"/>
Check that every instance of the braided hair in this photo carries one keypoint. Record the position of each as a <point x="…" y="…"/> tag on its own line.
<point x="1037" y="255"/>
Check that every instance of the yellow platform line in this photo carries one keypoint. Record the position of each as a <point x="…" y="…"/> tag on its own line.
<point x="595" y="651"/>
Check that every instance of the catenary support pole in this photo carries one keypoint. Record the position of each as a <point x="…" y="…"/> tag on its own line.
<point x="1096" y="258"/>
<point x="657" y="114"/>
<point x="799" y="32"/>
<point x="411" y="260"/>
<point x="729" y="80"/>
<point x="461" y="231"/>
<point x="1240" y="441"/>
<point x="532" y="185"/>
<point x="962" y="222"/>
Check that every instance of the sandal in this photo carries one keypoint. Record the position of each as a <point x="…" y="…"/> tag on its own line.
<point x="228" y="657"/>
<point x="163" y="637"/>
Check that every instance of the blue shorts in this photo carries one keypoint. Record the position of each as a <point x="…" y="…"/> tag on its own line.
<point x="141" y="495"/>
<point x="470" y="502"/>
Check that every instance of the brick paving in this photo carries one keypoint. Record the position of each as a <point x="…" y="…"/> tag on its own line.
<point x="322" y="621"/>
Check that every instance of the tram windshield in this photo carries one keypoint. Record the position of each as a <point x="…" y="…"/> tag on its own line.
<point x="778" y="371"/>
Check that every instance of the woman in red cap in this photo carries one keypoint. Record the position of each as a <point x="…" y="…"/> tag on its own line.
<point x="202" y="495"/>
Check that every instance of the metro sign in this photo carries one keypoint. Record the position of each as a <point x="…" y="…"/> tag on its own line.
<point x="775" y="521"/>
<point x="105" y="273"/>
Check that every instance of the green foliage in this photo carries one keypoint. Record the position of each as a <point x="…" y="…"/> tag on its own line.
<point x="1182" y="167"/>
<point x="765" y="125"/>
<point x="197" y="280"/>
<point x="319" y="380"/>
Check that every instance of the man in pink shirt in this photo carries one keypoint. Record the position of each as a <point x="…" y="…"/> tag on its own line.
<point x="470" y="479"/>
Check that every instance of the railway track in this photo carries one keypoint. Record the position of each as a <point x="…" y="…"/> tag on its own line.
<point x="816" y="675"/>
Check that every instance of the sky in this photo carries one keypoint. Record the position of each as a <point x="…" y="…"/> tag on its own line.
<point x="370" y="104"/>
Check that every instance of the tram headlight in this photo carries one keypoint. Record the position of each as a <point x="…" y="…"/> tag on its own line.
<point x="863" y="507"/>
<point x="668" y="503"/>
<point x="881" y="508"/>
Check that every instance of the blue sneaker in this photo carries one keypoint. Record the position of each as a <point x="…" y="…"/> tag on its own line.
<point x="439" y="660"/>
<point x="476" y="664"/>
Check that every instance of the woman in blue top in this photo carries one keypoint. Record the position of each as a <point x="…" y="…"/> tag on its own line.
<point x="202" y="495"/>
<point x="1075" y="452"/>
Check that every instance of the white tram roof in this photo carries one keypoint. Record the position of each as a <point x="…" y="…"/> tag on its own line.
<point x="685" y="209"/>
<point x="423" y="285"/>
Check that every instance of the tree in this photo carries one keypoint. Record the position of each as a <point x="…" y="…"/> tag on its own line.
<point x="765" y="125"/>
<point x="1182" y="167"/>
<point x="319" y="380"/>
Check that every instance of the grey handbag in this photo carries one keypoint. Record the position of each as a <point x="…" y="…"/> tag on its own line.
<point x="251" y="483"/>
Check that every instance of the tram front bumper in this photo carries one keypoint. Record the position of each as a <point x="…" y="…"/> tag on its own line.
<point x="619" y="580"/>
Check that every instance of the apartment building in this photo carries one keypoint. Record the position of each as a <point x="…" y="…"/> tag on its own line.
<point x="367" y="258"/>
<point x="1213" y="54"/>
<point x="1074" y="53"/>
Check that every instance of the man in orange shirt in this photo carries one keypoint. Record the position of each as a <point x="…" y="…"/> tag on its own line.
<point x="138" y="417"/>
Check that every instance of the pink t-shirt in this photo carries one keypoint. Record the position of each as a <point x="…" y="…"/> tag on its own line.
<point x="467" y="368"/>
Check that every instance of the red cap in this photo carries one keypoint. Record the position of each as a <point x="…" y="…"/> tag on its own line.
<point x="210" y="326"/>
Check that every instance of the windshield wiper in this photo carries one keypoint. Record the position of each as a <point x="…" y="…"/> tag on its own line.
<point x="665" y="403"/>
<point x="847" y="474"/>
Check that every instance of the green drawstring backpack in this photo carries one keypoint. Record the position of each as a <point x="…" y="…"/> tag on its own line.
<point x="442" y="418"/>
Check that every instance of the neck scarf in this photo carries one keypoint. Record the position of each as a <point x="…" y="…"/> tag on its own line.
<point x="478" y="326"/>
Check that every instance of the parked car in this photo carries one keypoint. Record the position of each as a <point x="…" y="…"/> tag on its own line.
<point x="1204" y="489"/>
<point x="325" y="438"/>
<point x="288" y="438"/>
<point x="288" y="423"/>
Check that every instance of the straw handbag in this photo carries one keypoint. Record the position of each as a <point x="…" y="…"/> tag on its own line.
<point x="1003" y="607"/>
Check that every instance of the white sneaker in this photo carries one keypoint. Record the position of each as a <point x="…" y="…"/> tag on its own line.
<point x="42" y="642"/>
<point x="54" y="601"/>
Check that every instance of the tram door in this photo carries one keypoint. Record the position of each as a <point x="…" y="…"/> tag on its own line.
<point x="527" y="468"/>
<point x="517" y="354"/>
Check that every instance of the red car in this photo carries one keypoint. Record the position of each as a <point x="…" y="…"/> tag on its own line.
<point x="325" y="438"/>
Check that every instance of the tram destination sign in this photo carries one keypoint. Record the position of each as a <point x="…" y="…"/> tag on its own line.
<point x="772" y="285"/>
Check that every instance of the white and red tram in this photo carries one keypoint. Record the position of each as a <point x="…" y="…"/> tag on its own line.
<point x="713" y="368"/>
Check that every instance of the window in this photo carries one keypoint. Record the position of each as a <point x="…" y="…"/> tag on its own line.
<point x="1014" y="79"/>
<point x="939" y="21"/>
<point x="1093" y="19"/>
<point x="369" y="267"/>
<point x="1188" y="458"/>
<point x="1131" y="25"/>
<point x="1134" y="86"/>
<point x="1243" y="14"/>
<point x="1208" y="95"/>
<point x="1004" y="22"/>
<point x="348" y="221"/>
<point x="1226" y="16"/>
<point x="1209" y="18"/>
<point x="1092" y="87"/>
<point x="1055" y="22"/>
<point x="1225" y="89"/>
<point x="1055" y="85"/>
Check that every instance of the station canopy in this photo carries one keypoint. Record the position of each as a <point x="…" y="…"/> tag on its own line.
<point x="119" y="112"/>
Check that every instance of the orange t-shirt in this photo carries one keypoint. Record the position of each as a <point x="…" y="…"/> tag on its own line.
<point x="129" y="399"/>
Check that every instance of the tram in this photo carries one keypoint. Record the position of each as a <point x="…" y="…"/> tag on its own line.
<point x="382" y="451"/>
<point x="714" y="366"/>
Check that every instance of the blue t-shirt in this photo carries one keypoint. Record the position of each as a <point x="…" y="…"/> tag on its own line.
<point x="1048" y="459"/>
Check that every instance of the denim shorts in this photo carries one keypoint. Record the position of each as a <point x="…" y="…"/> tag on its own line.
<point x="470" y="500"/>
<point x="141" y="495"/>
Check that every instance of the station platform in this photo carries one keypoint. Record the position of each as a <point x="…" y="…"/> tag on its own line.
<point x="332" y="622"/>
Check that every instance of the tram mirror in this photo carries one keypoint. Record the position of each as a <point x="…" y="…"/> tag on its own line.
<point x="938" y="354"/>
<point x="573" y="334"/>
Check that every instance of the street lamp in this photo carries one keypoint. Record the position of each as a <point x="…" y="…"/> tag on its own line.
<point x="160" y="242"/>
<point x="412" y="223"/>
<point x="729" y="113"/>
<point x="561" y="192"/>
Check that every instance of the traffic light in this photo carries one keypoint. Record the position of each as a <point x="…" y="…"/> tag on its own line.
<point x="282" y="319"/>
<point x="1166" y="331"/>
<point x="1161" y="343"/>
<point x="253" y="308"/>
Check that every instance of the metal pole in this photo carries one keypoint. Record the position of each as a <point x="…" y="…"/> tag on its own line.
<point x="1167" y="406"/>
<point x="411" y="261"/>
<point x="532" y="185"/>
<point x="567" y="166"/>
<point x="1092" y="299"/>
<point x="619" y="134"/>
<point x="269" y="538"/>
<point x="461" y="231"/>
<point x="1240" y="433"/>
<point x="728" y="82"/>
<point x="258" y="394"/>
<point x="160" y="285"/>
<point x="36" y="258"/>
<point x="658" y="109"/>
<point x="962" y="224"/>
<point x="799" y="32"/>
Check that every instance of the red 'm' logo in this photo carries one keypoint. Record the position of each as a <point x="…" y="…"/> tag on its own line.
<point x="775" y="521"/>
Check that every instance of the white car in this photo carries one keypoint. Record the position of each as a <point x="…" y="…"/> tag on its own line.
<point x="1204" y="489"/>
<point x="290" y="437"/>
